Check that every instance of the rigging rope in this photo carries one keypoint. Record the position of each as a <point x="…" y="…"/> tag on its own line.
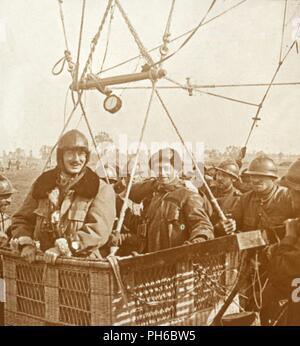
<point x="166" y="36"/>
<point x="211" y="94"/>
<point x="213" y="200"/>
<point x="60" y="2"/>
<point x="190" y="36"/>
<point x="135" y="35"/>
<point x="255" y="118"/>
<point x="176" y="38"/>
<point x="282" y="33"/>
<point x="132" y="173"/>
<point x="67" y="54"/>
<point x="96" y="39"/>
<point x="205" y="86"/>
<point x="79" y="41"/>
<point x="93" y="138"/>
<point x="112" y="10"/>
<point x="63" y="130"/>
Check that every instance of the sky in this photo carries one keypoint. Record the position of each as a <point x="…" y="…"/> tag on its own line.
<point x="242" y="46"/>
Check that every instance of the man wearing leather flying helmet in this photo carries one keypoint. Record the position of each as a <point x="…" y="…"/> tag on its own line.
<point x="68" y="210"/>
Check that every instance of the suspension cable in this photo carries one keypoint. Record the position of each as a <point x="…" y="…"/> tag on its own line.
<point x="135" y="35"/>
<point x="132" y="173"/>
<point x="190" y="153"/>
<point x="256" y="118"/>
<point x="205" y="86"/>
<point x="176" y="38"/>
<point x="282" y="32"/>
<point x="60" y="2"/>
<point x="211" y="94"/>
<point x="79" y="40"/>
<point x="112" y="10"/>
<point x="166" y="36"/>
<point x="190" y="36"/>
<point x="93" y="138"/>
<point x="96" y="39"/>
<point x="63" y="130"/>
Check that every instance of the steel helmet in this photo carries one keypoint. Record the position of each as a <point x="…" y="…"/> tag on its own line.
<point x="229" y="167"/>
<point x="72" y="139"/>
<point x="292" y="177"/>
<point x="264" y="166"/>
<point x="6" y="187"/>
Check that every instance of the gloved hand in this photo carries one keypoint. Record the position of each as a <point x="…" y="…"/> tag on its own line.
<point x="50" y="255"/>
<point x="117" y="238"/>
<point x="28" y="252"/>
<point x="62" y="246"/>
<point x="194" y="241"/>
<point x="228" y="225"/>
<point x="3" y="239"/>
<point x="292" y="228"/>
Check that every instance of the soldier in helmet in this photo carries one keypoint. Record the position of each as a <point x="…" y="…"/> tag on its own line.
<point x="227" y="173"/>
<point x="265" y="207"/>
<point x="6" y="191"/>
<point x="173" y="214"/>
<point x="284" y="265"/>
<point x="69" y="209"/>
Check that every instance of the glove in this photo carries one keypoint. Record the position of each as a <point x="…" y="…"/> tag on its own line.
<point x="292" y="228"/>
<point x="194" y="241"/>
<point x="117" y="238"/>
<point x="228" y="226"/>
<point x="3" y="239"/>
<point x="50" y="255"/>
<point x="62" y="246"/>
<point x="28" y="252"/>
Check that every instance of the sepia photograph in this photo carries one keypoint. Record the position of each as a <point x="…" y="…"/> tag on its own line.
<point x="150" y="165"/>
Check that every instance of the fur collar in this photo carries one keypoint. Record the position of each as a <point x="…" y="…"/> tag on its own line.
<point x="86" y="187"/>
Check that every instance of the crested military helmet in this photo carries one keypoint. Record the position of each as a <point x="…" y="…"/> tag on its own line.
<point x="72" y="139"/>
<point x="166" y="155"/>
<point x="292" y="177"/>
<point x="264" y="166"/>
<point x="230" y="167"/>
<point x="6" y="187"/>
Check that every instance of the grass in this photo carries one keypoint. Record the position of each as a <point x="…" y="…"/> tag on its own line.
<point x="23" y="179"/>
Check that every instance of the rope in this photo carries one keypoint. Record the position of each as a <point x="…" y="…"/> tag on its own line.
<point x="135" y="35"/>
<point x="60" y="2"/>
<point x="96" y="39"/>
<point x="282" y="33"/>
<point x="93" y="138"/>
<point x="79" y="40"/>
<point x="63" y="130"/>
<point x="113" y="261"/>
<point x="204" y="86"/>
<point x="166" y="36"/>
<point x="112" y="10"/>
<point x="211" y="94"/>
<point x="190" y="36"/>
<point x="212" y="198"/>
<point x="175" y="38"/>
<point x="257" y="275"/>
<point x="67" y="55"/>
<point x="132" y="173"/>
<point x="255" y="118"/>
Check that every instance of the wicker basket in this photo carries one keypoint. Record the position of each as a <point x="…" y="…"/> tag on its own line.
<point x="178" y="286"/>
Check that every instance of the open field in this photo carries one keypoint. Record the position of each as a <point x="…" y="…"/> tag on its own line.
<point x="23" y="179"/>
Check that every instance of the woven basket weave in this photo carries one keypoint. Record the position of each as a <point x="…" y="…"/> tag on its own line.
<point x="178" y="286"/>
